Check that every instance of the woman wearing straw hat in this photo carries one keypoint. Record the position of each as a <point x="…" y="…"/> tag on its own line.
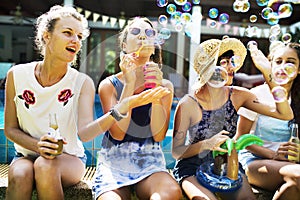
<point x="207" y="118"/>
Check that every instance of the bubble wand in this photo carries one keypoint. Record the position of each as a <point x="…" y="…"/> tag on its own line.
<point x="137" y="53"/>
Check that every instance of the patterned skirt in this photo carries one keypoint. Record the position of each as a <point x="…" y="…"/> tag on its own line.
<point x="126" y="164"/>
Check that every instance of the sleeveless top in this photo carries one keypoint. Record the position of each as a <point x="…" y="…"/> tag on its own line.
<point x="212" y="122"/>
<point x="137" y="156"/>
<point x="139" y="128"/>
<point x="34" y="103"/>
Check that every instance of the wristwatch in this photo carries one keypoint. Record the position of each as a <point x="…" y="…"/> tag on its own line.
<point x="116" y="114"/>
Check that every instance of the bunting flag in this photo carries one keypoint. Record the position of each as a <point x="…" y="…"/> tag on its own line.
<point x="235" y="30"/>
<point x="95" y="17"/>
<point x="87" y="13"/>
<point x="122" y="23"/>
<point x="259" y="33"/>
<point x="242" y="31"/>
<point x="266" y="32"/>
<point x="227" y="28"/>
<point x="213" y="24"/>
<point x="218" y="25"/>
<point x="79" y="9"/>
<point x="113" y="21"/>
<point x="104" y="19"/>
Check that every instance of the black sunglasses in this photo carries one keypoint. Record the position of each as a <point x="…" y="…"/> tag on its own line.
<point x="149" y="32"/>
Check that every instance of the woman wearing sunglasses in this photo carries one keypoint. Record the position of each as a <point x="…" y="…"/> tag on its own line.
<point x="131" y="156"/>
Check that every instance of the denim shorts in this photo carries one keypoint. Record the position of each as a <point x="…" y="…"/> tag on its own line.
<point x="246" y="157"/>
<point x="20" y="155"/>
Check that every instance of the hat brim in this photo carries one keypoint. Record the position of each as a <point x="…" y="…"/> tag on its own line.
<point x="237" y="47"/>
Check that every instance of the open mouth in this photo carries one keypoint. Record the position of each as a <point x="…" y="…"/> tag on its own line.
<point x="73" y="50"/>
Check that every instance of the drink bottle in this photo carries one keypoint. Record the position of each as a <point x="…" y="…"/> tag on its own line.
<point x="54" y="132"/>
<point x="294" y="138"/>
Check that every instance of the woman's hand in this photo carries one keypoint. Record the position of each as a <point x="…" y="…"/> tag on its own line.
<point x="143" y="98"/>
<point x="47" y="146"/>
<point x="216" y="141"/>
<point x="259" y="59"/>
<point x="284" y="150"/>
<point x="128" y="66"/>
<point x="152" y="74"/>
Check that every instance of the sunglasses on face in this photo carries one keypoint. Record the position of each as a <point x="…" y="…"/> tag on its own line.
<point x="149" y="32"/>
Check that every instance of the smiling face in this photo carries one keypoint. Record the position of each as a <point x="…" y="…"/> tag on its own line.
<point x="65" y="41"/>
<point x="140" y="37"/>
<point x="286" y="56"/>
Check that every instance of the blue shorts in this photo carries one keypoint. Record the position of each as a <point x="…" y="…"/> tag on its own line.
<point x="20" y="155"/>
<point x="246" y="157"/>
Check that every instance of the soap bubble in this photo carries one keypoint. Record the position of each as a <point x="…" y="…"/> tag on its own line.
<point x="171" y="8"/>
<point x="225" y="37"/>
<point x="219" y="77"/>
<point x="237" y="6"/>
<point x="164" y="33"/>
<point x="265" y="13"/>
<point x="290" y="69"/>
<point x="187" y="7"/>
<point x="175" y="17"/>
<point x="273" y="18"/>
<point x="275" y="30"/>
<point x="235" y="61"/>
<point x="224" y="18"/>
<point x="246" y="7"/>
<point x="196" y="2"/>
<point x="279" y="94"/>
<point x="273" y="38"/>
<point x="186" y="18"/>
<point x="178" y="27"/>
<point x="161" y="3"/>
<point x="180" y="2"/>
<point x="213" y="13"/>
<point x="262" y="2"/>
<point x="286" y="38"/>
<point x="212" y="24"/>
<point x="163" y="19"/>
<point x="285" y="10"/>
<point x="252" y="45"/>
<point x="280" y="75"/>
<point x="253" y="18"/>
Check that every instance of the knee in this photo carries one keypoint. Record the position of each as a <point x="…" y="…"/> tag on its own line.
<point x="173" y="191"/>
<point x="43" y="168"/>
<point x="19" y="176"/>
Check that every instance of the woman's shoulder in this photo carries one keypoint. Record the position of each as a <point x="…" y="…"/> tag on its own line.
<point x="24" y="66"/>
<point x="167" y="83"/>
<point x="188" y="101"/>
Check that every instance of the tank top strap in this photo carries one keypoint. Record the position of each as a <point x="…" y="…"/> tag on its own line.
<point x="117" y="84"/>
<point x="193" y="98"/>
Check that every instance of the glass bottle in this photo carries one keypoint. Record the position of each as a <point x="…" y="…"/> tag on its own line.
<point x="294" y="138"/>
<point x="54" y="132"/>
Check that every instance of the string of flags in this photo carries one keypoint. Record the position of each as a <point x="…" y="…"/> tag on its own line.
<point x="104" y="18"/>
<point x="236" y="30"/>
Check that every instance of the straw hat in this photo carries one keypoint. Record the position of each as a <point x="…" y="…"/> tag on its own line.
<point x="208" y="52"/>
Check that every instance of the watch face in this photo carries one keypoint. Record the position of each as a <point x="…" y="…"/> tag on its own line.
<point x="115" y="114"/>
